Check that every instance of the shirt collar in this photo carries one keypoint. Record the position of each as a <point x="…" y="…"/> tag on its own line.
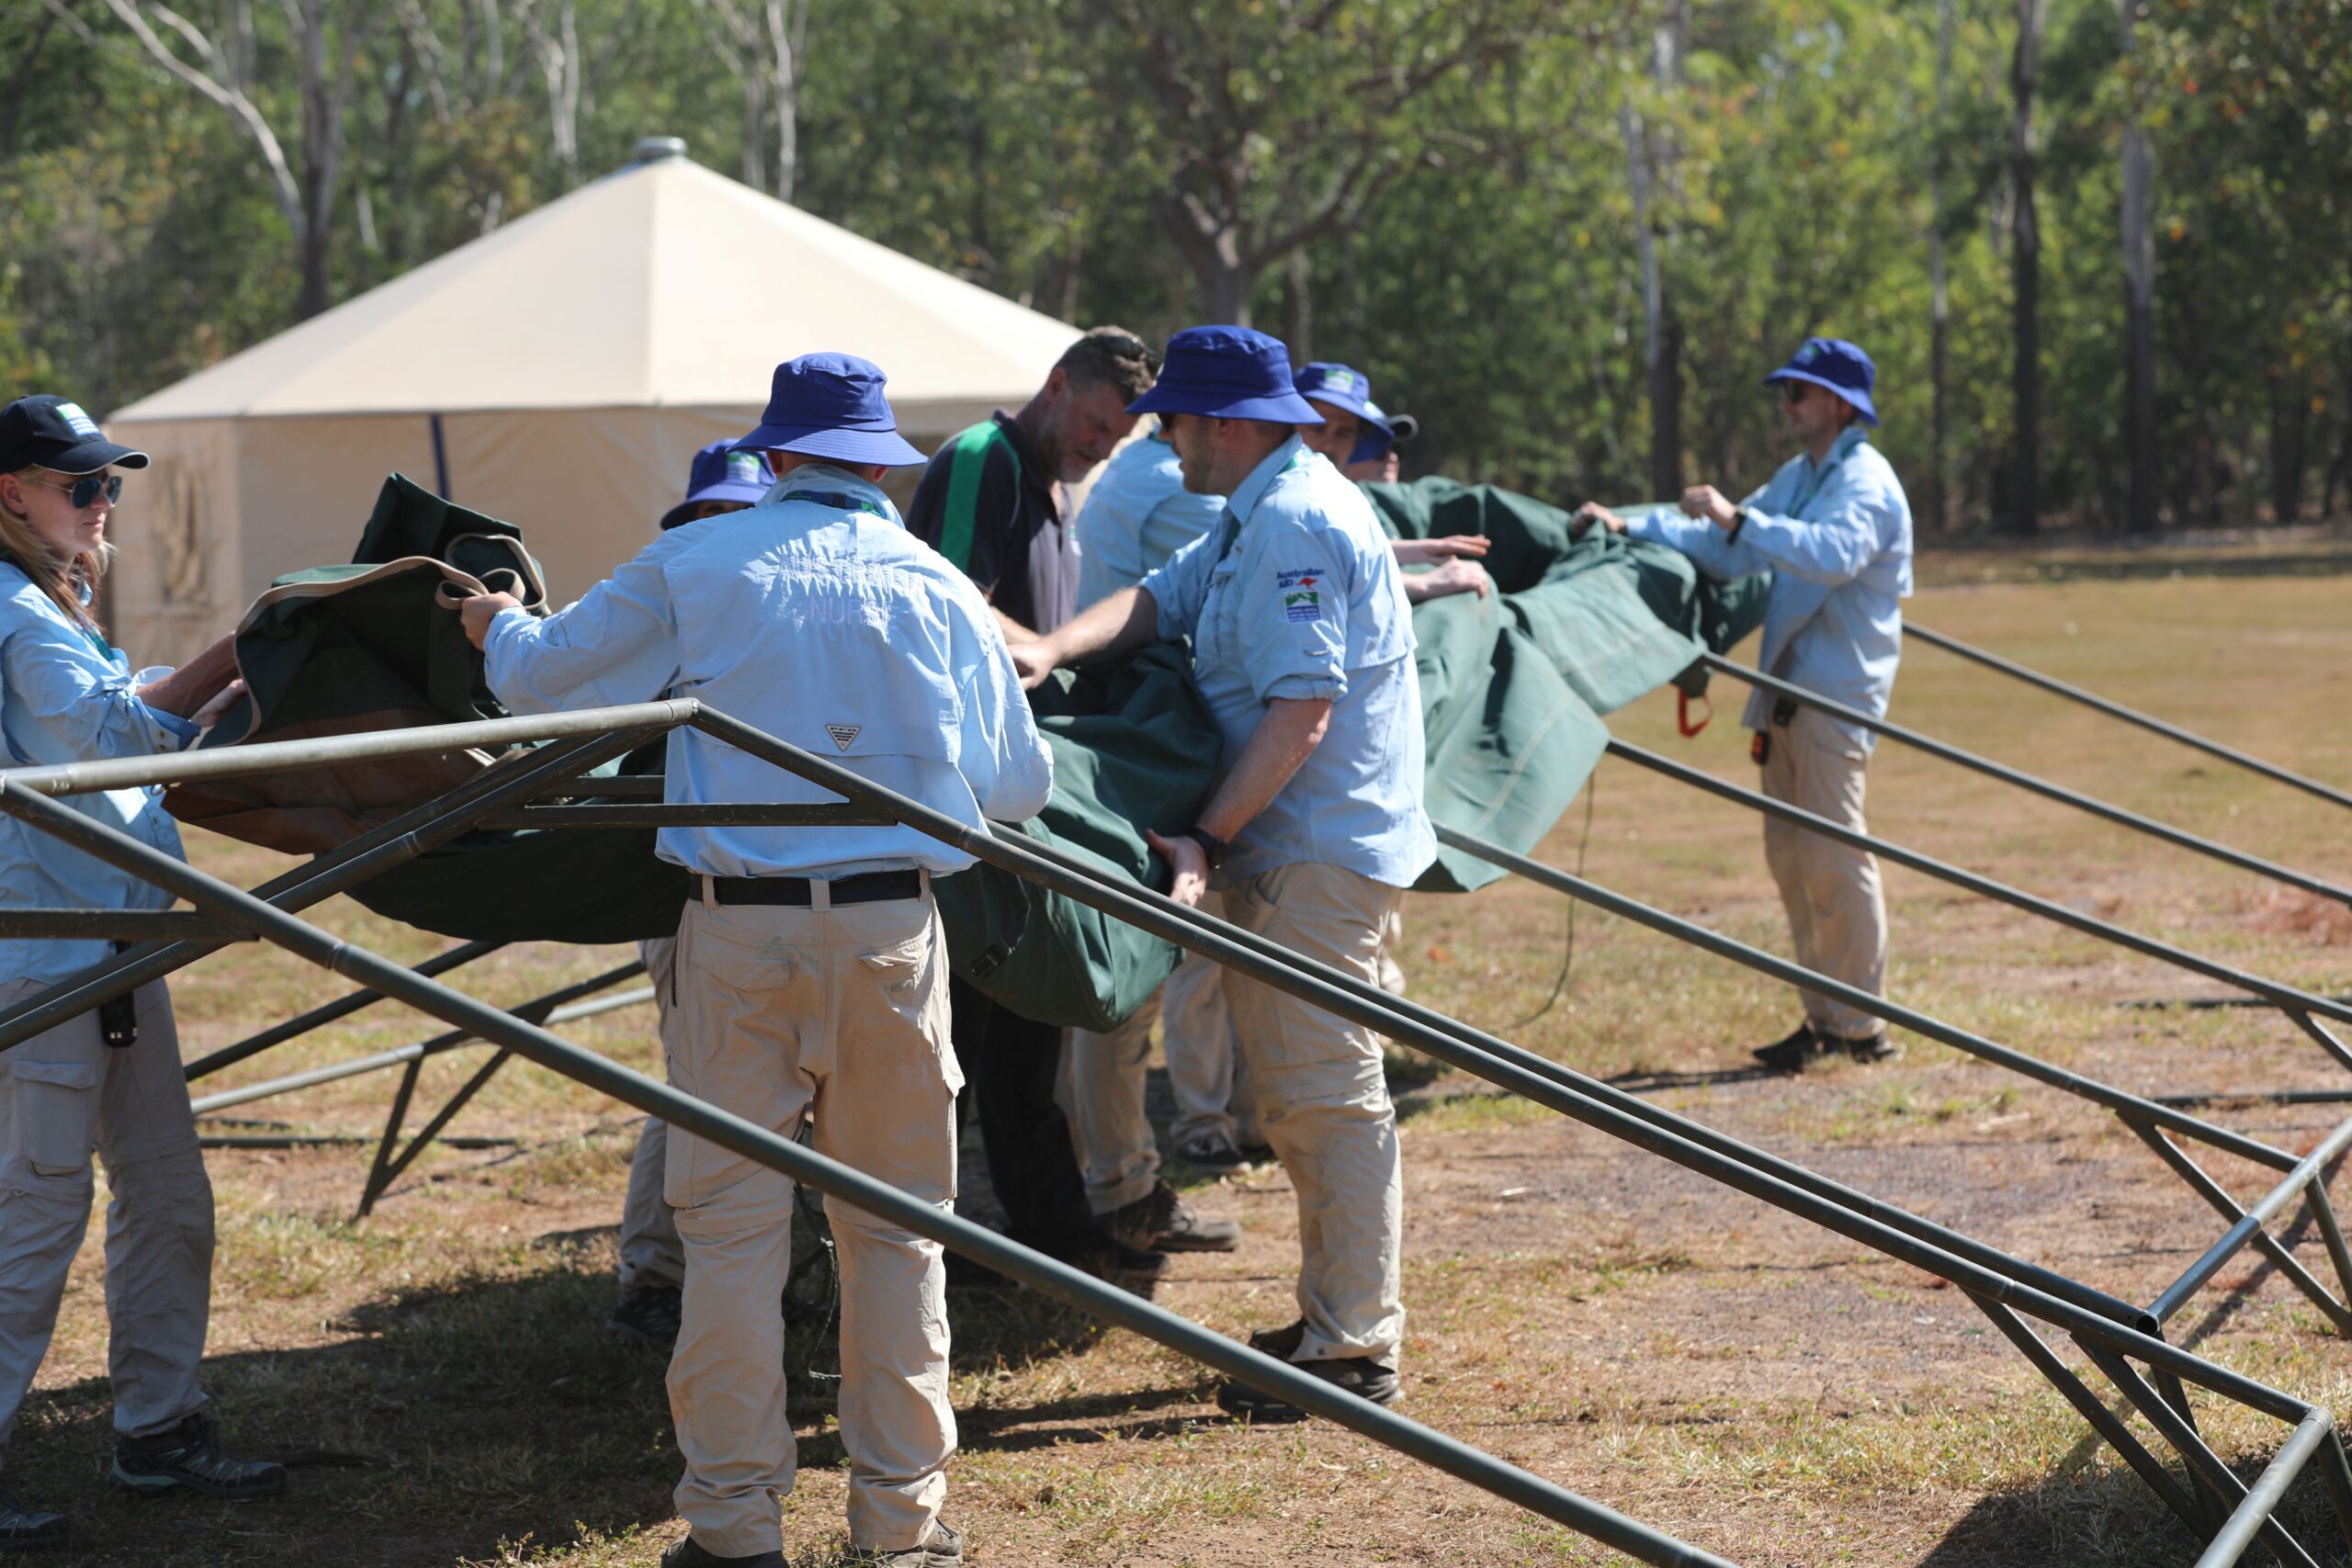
<point x="825" y="477"/>
<point x="1032" y="466"/>
<point x="1853" y="435"/>
<point x="1251" y="490"/>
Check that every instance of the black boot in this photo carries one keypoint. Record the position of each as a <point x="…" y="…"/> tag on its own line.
<point x="189" y="1455"/>
<point x="24" y="1527"/>
<point x="1792" y="1053"/>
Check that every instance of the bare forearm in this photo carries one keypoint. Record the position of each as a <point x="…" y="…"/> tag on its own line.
<point x="1124" y="621"/>
<point x="1276" y="750"/>
<point x="193" y="684"/>
<point x="1013" y="630"/>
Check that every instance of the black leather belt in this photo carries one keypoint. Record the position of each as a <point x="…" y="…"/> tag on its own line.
<point x="870" y="887"/>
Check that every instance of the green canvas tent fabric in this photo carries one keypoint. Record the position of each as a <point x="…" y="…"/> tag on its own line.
<point x="346" y="650"/>
<point x="1133" y="747"/>
<point x="377" y="644"/>
<point x="1513" y="685"/>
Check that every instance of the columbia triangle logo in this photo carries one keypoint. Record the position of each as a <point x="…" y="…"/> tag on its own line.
<point x="842" y="735"/>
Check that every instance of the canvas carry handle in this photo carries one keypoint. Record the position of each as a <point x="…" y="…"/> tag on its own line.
<point x="458" y="587"/>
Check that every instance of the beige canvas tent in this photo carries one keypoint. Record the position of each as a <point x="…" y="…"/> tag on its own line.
<point x="558" y="373"/>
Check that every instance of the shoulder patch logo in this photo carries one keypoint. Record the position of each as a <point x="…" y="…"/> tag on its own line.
<point x="1302" y="599"/>
<point x="842" y="735"/>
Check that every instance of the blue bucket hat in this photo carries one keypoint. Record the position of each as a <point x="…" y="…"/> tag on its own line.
<point x="1227" y="373"/>
<point x="1343" y="387"/>
<point x="721" y="473"/>
<point x="1382" y="430"/>
<point x="1839" y="366"/>
<point x="832" y="405"/>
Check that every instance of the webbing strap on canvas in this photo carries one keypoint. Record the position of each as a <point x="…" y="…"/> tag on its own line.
<point x="968" y="459"/>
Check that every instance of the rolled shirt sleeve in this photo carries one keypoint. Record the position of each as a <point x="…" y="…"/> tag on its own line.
<point x="88" y="701"/>
<point x="1292" y="615"/>
<point x="618" y="644"/>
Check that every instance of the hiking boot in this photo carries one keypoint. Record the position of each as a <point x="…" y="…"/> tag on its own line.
<point x="1210" y="1151"/>
<point x="649" y="1315"/>
<point x="1791" y="1055"/>
<point x="1108" y="1259"/>
<point x="1875" y="1047"/>
<point x="692" y="1554"/>
<point x="1162" y="1222"/>
<point x="25" y="1527"/>
<point x="1359" y="1375"/>
<point x="189" y="1455"/>
<point x="943" y="1547"/>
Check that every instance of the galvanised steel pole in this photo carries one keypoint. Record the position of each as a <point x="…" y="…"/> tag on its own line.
<point x="1314" y="982"/>
<point x="1298" y="976"/>
<point x="318" y="1018"/>
<point x="692" y="1116"/>
<point x="2129" y="1105"/>
<point x="2129" y="715"/>
<point x="2177" y="836"/>
<point x="2276" y="992"/>
<point x="398" y="842"/>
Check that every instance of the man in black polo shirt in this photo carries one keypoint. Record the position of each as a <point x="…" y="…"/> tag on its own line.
<point x="989" y="503"/>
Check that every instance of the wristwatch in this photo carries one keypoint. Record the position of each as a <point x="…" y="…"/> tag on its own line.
<point x="1738" y="521"/>
<point x="1212" y="847"/>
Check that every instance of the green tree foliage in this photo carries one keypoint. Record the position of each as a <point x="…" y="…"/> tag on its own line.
<point x="1436" y="190"/>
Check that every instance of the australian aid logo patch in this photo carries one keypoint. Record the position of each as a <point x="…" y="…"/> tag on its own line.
<point x="1301" y="593"/>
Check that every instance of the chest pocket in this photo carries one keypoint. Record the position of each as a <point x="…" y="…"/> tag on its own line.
<point x="1221" y="617"/>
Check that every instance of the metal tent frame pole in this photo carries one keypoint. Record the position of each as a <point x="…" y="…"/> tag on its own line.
<point x="2154" y="1123"/>
<point x="2179" y="837"/>
<point x="1058" y="1279"/>
<point x="2002" y="1286"/>
<point x="2305" y="1008"/>
<point x="2113" y="710"/>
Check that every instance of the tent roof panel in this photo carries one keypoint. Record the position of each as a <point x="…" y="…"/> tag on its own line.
<point x="662" y="285"/>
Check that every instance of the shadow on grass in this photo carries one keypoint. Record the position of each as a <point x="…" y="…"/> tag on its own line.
<point x="483" y="1416"/>
<point x="2110" y="1520"/>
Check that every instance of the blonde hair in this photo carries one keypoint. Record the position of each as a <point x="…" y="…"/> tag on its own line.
<point x="68" y="583"/>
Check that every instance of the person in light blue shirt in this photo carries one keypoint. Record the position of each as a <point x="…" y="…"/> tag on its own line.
<point x="108" y="1082"/>
<point x="811" y="973"/>
<point x="1303" y="647"/>
<point x="1137" y="514"/>
<point x="1833" y="529"/>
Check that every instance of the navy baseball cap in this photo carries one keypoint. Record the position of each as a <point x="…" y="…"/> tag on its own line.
<point x="46" y="431"/>
<point x="721" y="473"/>
<point x="1227" y="373"/>
<point x="1839" y="366"/>
<point x="1382" y="431"/>
<point x="832" y="405"/>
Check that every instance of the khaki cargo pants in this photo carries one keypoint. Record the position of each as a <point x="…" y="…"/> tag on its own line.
<point x="837" y="1017"/>
<point x="1105" y="1076"/>
<point x="1324" y="1102"/>
<point x="1837" y="907"/>
<point x="63" y="1094"/>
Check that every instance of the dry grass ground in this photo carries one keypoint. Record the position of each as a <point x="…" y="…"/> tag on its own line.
<point x="1692" y="1358"/>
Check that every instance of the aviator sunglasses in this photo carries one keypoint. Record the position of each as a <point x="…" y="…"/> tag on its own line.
<point x="84" y="491"/>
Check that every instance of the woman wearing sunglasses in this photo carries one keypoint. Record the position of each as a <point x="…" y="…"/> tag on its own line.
<point x="109" y="1081"/>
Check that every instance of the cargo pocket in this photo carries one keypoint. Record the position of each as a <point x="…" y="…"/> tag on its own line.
<point x="54" y="1101"/>
<point x="906" y="972"/>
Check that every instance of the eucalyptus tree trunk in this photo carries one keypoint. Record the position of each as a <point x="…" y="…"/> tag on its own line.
<point x="2139" y="309"/>
<point x="2025" y="257"/>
